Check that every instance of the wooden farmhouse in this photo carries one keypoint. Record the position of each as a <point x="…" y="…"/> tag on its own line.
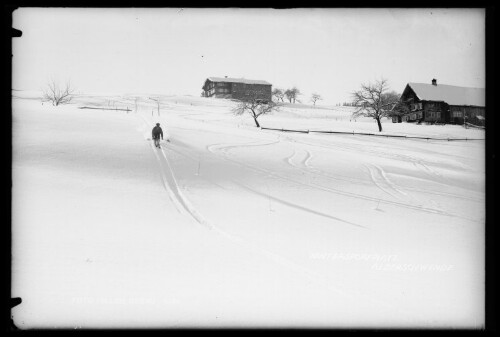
<point x="236" y="88"/>
<point x="433" y="103"/>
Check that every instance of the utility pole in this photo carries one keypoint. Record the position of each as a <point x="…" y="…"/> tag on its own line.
<point x="157" y="102"/>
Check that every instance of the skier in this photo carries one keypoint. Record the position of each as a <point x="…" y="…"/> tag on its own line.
<point x="157" y="132"/>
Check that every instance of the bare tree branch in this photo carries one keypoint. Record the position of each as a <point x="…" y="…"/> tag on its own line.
<point x="57" y="95"/>
<point x="315" y="97"/>
<point x="279" y="94"/>
<point x="372" y="100"/>
<point x="255" y="107"/>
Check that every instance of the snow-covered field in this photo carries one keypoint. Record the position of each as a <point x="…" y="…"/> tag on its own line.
<point x="230" y="225"/>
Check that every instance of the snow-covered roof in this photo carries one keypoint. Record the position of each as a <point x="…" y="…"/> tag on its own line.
<point x="237" y="80"/>
<point x="450" y="94"/>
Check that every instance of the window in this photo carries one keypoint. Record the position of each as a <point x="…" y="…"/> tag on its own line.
<point x="457" y="114"/>
<point x="438" y="114"/>
<point x="419" y="106"/>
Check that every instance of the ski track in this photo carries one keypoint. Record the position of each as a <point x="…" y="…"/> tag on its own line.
<point x="302" y="163"/>
<point x="299" y="207"/>
<point x="418" y="163"/>
<point x="378" y="176"/>
<point x="375" y="171"/>
<point x="222" y="148"/>
<point x="222" y="152"/>
<point x="312" y="275"/>
<point x="166" y="183"/>
<point x="224" y="156"/>
<point x="379" y="181"/>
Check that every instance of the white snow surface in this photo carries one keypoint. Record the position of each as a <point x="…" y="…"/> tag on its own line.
<point x="228" y="225"/>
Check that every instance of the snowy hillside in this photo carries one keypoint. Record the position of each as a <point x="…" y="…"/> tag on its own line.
<point x="230" y="225"/>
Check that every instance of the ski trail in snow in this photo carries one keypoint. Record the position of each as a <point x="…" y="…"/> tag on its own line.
<point x="302" y="208"/>
<point x="383" y="174"/>
<point x="312" y="275"/>
<point x="181" y="198"/>
<point x="273" y="256"/>
<point x="308" y="159"/>
<point x="334" y="190"/>
<point x="171" y="185"/>
<point x="180" y="201"/>
<point x="379" y="178"/>
<point x="418" y="163"/>
<point x="166" y="183"/>
<point x="224" y="147"/>
<point x="288" y="159"/>
<point x="302" y="162"/>
<point x="165" y="180"/>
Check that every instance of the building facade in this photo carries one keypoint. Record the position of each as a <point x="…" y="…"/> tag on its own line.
<point x="447" y="104"/>
<point x="237" y="88"/>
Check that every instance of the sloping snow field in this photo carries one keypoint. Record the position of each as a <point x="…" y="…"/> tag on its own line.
<point x="230" y="225"/>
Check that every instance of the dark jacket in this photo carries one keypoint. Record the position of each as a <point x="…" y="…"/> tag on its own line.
<point x="157" y="132"/>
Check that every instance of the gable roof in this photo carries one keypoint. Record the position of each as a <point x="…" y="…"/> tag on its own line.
<point x="237" y="80"/>
<point x="449" y="94"/>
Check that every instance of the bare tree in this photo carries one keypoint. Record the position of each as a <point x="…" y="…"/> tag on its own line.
<point x="374" y="101"/>
<point x="56" y="94"/>
<point x="315" y="97"/>
<point x="397" y="108"/>
<point x="279" y="94"/>
<point x="295" y="92"/>
<point x="255" y="107"/>
<point x="291" y="94"/>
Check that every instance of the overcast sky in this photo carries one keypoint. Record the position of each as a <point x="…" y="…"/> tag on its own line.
<point x="172" y="51"/>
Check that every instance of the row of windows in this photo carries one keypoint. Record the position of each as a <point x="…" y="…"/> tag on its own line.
<point x="420" y="114"/>
<point x="416" y="106"/>
<point x="216" y="84"/>
<point x="434" y="114"/>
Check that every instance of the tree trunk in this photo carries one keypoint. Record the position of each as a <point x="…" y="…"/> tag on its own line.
<point x="255" y="118"/>
<point x="379" y="124"/>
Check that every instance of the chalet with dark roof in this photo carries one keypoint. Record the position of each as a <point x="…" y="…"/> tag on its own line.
<point x="442" y="103"/>
<point x="236" y="88"/>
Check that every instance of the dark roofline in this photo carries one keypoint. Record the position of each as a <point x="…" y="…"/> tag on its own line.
<point x="236" y="80"/>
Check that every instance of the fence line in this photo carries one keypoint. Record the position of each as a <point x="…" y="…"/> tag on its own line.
<point x="97" y="108"/>
<point x="475" y="126"/>
<point x="369" y="134"/>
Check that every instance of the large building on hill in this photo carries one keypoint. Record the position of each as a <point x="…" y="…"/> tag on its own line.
<point x="236" y="88"/>
<point x="441" y="103"/>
